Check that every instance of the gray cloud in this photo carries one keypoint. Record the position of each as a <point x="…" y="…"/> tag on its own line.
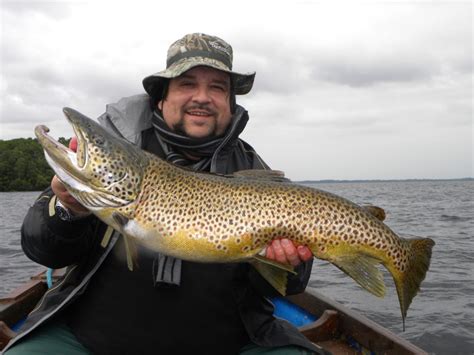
<point x="395" y="77"/>
<point x="383" y="44"/>
<point x="53" y="9"/>
<point x="276" y="72"/>
<point x="358" y="72"/>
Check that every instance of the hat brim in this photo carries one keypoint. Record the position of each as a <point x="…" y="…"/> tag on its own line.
<point x="153" y="84"/>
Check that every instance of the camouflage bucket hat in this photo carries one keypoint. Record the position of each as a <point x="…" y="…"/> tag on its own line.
<point x="194" y="50"/>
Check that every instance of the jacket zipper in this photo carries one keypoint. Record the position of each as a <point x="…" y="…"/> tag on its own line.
<point x="38" y="306"/>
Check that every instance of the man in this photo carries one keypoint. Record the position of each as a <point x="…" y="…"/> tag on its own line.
<point x="190" y="118"/>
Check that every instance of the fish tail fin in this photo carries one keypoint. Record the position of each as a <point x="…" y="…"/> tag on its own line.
<point x="409" y="277"/>
<point x="274" y="272"/>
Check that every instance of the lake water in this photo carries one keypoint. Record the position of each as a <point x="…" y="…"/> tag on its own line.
<point x="441" y="317"/>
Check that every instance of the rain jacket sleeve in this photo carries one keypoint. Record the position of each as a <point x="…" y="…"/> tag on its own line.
<point x="52" y="242"/>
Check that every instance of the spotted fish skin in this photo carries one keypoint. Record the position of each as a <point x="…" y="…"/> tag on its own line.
<point x="238" y="217"/>
<point x="211" y="218"/>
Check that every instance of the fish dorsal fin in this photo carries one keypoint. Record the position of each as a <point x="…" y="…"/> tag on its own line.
<point x="256" y="174"/>
<point x="261" y="174"/>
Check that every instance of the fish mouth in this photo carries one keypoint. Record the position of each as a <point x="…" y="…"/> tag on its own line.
<point x="56" y="153"/>
<point x="66" y="163"/>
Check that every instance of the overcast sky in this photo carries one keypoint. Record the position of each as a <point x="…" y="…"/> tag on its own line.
<point x="353" y="90"/>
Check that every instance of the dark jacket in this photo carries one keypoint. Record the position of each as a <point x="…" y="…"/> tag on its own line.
<point x="82" y="246"/>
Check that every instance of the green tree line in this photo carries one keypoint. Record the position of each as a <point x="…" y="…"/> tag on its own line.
<point x="23" y="166"/>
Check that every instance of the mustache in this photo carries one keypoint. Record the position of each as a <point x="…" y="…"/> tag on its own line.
<point x="200" y="107"/>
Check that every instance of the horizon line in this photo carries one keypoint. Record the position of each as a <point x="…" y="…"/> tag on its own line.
<point x="384" y="180"/>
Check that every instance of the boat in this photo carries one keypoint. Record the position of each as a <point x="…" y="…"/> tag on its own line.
<point x="335" y="328"/>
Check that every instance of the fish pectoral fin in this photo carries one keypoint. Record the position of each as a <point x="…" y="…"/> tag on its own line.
<point x="130" y="247"/>
<point x="120" y="219"/>
<point x="274" y="272"/>
<point x="131" y="252"/>
<point x="363" y="269"/>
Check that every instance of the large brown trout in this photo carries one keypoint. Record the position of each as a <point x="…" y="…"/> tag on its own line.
<point x="211" y="218"/>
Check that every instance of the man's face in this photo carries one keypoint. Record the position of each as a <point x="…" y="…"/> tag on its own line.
<point x="197" y="104"/>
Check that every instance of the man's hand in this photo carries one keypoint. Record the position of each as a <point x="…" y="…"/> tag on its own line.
<point x="284" y="251"/>
<point x="63" y="195"/>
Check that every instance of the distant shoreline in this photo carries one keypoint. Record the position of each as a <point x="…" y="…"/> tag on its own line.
<point x="334" y="181"/>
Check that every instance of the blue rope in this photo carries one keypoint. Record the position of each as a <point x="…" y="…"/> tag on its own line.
<point x="49" y="277"/>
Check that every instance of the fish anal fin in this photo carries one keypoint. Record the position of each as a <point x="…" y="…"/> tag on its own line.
<point x="363" y="269"/>
<point x="274" y="272"/>
<point x="286" y="267"/>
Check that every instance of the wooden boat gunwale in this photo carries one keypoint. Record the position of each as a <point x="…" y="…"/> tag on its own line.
<point x="365" y="332"/>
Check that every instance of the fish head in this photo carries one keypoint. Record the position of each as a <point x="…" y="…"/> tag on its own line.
<point x="104" y="171"/>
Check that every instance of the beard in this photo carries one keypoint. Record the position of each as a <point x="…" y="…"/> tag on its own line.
<point x="180" y="129"/>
